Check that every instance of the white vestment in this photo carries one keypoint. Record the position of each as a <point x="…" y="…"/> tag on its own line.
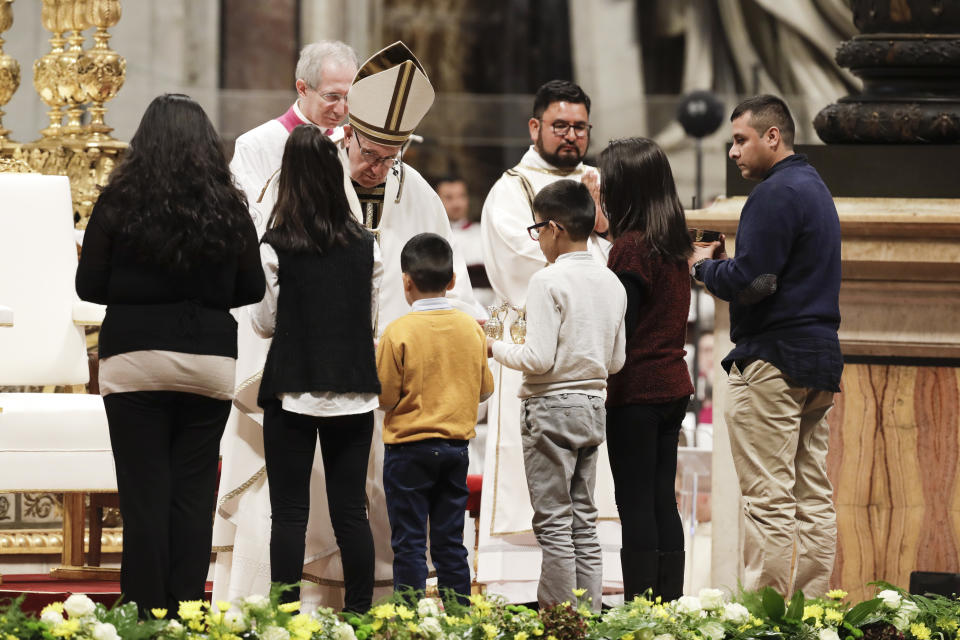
<point x="509" y="560"/>
<point x="242" y="523"/>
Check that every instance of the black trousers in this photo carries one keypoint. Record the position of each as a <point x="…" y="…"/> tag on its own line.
<point x="289" y="443"/>
<point x="165" y="447"/>
<point x="642" y="443"/>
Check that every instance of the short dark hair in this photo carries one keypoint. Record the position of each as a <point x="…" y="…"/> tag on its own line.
<point x="428" y="259"/>
<point x="450" y="177"/>
<point x="570" y="205"/>
<point x="768" y="111"/>
<point x="559" y="91"/>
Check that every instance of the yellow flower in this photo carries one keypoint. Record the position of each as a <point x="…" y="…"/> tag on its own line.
<point x="832" y="615"/>
<point x="814" y="611"/>
<point x="412" y="627"/>
<point x="520" y="636"/>
<point x="490" y="630"/>
<point x="384" y="611"/>
<point x="579" y="592"/>
<point x="756" y="622"/>
<point x="626" y="636"/>
<point x="190" y="609"/>
<point x="53" y="606"/>
<point x="223" y="605"/>
<point x="289" y="607"/>
<point x="538" y="631"/>
<point x="159" y="614"/>
<point x="920" y="631"/>
<point x="66" y="628"/>
<point x="551" y="637"/>
<point x="10" y="636"/>
<point x="404" y="613"/>
<point x="836" y="594"/>
<point x="376" y="624"/>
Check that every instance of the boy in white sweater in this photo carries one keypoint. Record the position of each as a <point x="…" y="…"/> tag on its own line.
<point x="575" y="339"/>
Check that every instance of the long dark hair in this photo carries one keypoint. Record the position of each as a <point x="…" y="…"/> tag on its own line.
<point x="172" y="197"/>
<point x="639" y="194"/>
<point x="311" y="213"/>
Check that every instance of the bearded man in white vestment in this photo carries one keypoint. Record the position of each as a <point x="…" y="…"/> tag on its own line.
<point x="509" y="559"/>
<point x="396" y="203"/>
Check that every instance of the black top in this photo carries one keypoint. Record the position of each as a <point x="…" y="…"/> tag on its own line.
<point x="323" y="340"/>
<point x="783" y="284"/>
<point x="149" y="307"/>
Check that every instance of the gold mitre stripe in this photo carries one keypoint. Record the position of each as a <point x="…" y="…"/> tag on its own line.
<point x="386" y="58"/>
<point x="379" y="135"/>
<point x="401" y="91"/>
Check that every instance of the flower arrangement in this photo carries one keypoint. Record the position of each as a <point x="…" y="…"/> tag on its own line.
<point x="711" y="615"/>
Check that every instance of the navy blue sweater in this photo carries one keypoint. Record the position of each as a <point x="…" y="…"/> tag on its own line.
<point x="783" y="283"/>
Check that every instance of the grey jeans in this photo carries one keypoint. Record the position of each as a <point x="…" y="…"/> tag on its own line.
<point x="560" y="436"/>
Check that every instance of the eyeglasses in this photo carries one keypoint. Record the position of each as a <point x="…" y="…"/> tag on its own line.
<point x="534" y="230"/>
<point x="374" y="160"/>
<point x="333" y="97"/>
<point x="561" y="128"/>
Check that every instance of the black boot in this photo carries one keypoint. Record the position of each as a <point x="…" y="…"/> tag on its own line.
<point x="670" y="575"/>
<point x="639" y="572"/>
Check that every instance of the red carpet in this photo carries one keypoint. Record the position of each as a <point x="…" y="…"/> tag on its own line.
<point x="41" y="589"/>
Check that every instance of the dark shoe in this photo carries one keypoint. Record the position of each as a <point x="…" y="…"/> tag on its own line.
<point x="670" y="575"/>
<point x="639" y="572"/>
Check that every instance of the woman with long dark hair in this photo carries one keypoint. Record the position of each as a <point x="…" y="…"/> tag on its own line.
<point x="320" y="378"/>
<point x="170" y="249"/>
<point x="647" y="399"/>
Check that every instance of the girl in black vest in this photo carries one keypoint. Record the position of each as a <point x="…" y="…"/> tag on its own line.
<point x="320" y="377"/>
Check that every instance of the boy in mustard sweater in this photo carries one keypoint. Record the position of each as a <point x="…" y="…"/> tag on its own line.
<point x="433" y="372"/>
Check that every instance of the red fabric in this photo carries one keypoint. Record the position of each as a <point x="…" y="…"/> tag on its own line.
<point x="655" y="370"/>
<point x="289" y="120"/>
<point x="474" y="484"/>
<point x="42" y="589"/>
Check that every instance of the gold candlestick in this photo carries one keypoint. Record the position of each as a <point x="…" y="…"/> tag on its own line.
<point x="9" y="69"/>
<point x="68" y="82"/>
<point x="46" y="70"/>
<point x="101" y="69"/>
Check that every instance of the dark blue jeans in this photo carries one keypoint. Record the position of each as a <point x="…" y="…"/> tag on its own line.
<point x="428" y="480"/>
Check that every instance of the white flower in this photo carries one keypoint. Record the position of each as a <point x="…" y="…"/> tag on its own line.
<point x="712" y="629"/>
<point x="431" y="627"/>
<point x="736" y="613"/>
<point x="664" y="636"/>
<point x="828" y="633"/>
<point x="689" y="605"/>
<point x="105" y="631"/>
<point x="428" y="607"/>
<point x="234" y="620"/>
<point x="174" y="626"/>
<point x="79" y="605"/>
<point x="51" y="617"/>
<point x="711" y="598"/>
<point x="256" y="601"/>
<point x="891" y="599"/>
<point x="344" y="632"/>
<point x="909" y="610"/>
<point x="275" y="633"/>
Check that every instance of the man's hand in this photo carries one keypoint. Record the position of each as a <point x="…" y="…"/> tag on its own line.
<point x="490" y="342"/>
<point x="705" y="252"/>
<point x="592" y="181"/>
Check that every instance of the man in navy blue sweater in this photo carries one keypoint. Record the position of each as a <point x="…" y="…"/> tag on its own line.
<point x="783" y="286"/>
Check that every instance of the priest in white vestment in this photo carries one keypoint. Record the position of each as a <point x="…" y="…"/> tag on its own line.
<point x="395" y="201"/>
<point x="509" y="558"/>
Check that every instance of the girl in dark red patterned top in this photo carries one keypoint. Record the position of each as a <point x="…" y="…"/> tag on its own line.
<point x="647" y="399"/>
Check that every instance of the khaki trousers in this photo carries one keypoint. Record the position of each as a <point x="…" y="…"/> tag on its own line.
<point x="779" y="436"/>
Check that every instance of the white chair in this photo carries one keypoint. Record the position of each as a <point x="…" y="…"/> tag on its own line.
<point x="694" y="467"/>
<point x="56" y="442"/>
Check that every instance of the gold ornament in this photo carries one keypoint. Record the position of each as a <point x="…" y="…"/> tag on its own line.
<point x="101" y="69"/>
<point x="46" y="70"/>
<point x="9" y="68"/>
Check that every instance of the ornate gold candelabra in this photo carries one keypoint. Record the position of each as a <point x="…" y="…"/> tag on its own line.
<point x="70" y="77"/>
<point x="46" y="70"/>
<point x="101" y="69"/>
<point x="9" y="69"/>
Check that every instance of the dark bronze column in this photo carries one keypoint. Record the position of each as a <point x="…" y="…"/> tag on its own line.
<point x="908" y="56"/>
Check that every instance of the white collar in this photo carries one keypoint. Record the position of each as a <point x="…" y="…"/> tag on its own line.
<point x="534" y="161"/>
<point x="431" y="304"/>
